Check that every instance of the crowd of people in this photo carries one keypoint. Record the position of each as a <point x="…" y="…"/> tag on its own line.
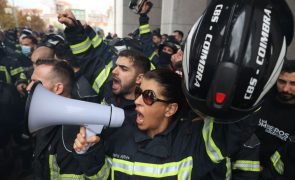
<point x="217" y="104"/>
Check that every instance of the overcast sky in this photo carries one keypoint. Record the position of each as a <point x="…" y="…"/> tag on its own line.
<point x="99" y="5"/>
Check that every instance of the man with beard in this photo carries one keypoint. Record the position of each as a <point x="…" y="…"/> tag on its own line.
<point x="276" y="125"/>
<point x="113" y="81"/>
<point x="127" y="73"/>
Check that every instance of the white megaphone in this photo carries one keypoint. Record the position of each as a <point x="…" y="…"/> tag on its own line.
<point x="44" y="109"/>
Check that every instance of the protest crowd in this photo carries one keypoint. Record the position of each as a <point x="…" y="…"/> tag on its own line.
<point x="214" y="103"/>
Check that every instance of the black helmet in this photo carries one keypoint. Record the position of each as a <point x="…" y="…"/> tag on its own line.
<point x="119" y="44"/>
<point x="52" y="40"/>
<point x="233" y="56"/>
<point x="136" y="5"/>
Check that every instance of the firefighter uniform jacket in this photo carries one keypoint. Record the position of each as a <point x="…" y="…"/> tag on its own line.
<point x="93" y="56"/>
<point x="276" y="126"/>
<point x="26" y="63"/>
<point x="186" y="150"/>
<point x="52" y="159"/>
<point x="289" y="172"/>
<point x="145" y="36"/>
<point x="96" y="61"/>
<point x="10" y="70"/>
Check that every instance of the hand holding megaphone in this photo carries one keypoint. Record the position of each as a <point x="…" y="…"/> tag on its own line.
<point x="84" y="141"/>
<point x="44" y="109"/>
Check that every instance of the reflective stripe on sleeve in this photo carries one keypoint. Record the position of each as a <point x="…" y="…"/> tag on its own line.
<point x="104" y="173"/>
<point x="81" y="47"/>
<point x="228" y="174"/>
<point x="151" y="60"/>
<point x="277" y="162"/>
<point x="55" y="171"/>
<point x="53" y="167"/>
<point x="212" y="150"/>
<point x="22" y="76"/>
<point x="102" y="77"/>
<point x="247" y="165"/>
<point x="144" y="29"/>
<point x="16" y="71"/>
<point x="96" y="41"/>
<point x="7" y="76"/>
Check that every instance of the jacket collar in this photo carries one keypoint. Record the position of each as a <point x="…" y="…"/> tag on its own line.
<point x="160" y="145"/>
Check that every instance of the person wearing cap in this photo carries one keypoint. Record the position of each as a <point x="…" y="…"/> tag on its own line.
<point x="276" y="125"/>
<point x="24" y="33"/>
<point x="28" y="45"/>
<point x="166" y="50"/>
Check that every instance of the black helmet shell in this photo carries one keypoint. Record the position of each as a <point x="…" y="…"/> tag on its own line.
<point x="120" y="44"/>
<point x="233" y="56"/>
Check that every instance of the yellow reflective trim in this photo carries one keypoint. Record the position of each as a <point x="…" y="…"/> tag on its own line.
<point x="22" y="76"/>
<point x="72" y="177"/>
<point x="7" y="76"/>
<point x="104" y="173"/>
<point x="247" y="165"/>
<point x="228" y="174"/>
<point x="277" y="162"/>
<point x="144" y="29"/>
<point x="16" y="71"/>
<point x="145" y="26"/>
<point x="81" y="47"/>
<point x="211" y="148"/>
<point x="151" y="58"/>
<point x="102" y="77"/>
<point x="53" y="168"/>
<point x="182" y="169"/>
<point x="96" y="41"/>
<point x="55" y="171"/>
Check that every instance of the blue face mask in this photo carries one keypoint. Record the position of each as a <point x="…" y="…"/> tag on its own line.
<point x="26" y="50"/>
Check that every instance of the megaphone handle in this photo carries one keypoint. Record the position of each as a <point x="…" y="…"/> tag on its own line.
<point x="91" y="130"/>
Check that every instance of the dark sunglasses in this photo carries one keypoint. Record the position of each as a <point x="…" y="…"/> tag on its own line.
<point x="149" y="97"/>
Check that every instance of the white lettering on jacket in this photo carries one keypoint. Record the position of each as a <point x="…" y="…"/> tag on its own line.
<point x="273" y="130"/>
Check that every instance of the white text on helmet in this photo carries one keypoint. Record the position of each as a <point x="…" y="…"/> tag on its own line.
<point x="261" y="51"/>
<point x="250" y="88"/>
<point x="203" y="58"/>
<point x="216" y="13"/>
<point x="264" y="37"/>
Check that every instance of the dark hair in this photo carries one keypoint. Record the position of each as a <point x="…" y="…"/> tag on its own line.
<point x="141" y="62"/>
<point x="32" y="38"/>
<point x="166" y="35"/>
<point x="61" y="69"/>
<point x="171" y="85"/>
<point x="158" y="35"/>
<point x="289" y="66"/>
<point x="179" y="32"/>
